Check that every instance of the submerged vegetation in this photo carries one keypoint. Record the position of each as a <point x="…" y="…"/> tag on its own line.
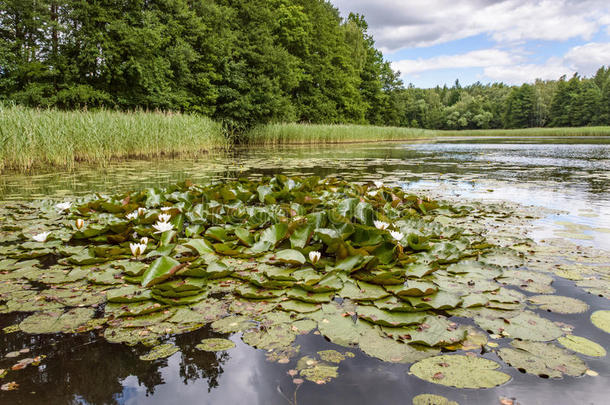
<point x="32" y="138"/>
<point x="370" y="267"/>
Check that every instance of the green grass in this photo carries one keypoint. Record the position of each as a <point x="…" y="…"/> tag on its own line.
<point x="531" y="132"/>
<point x="42" y="139"/>
<point x="34" y="139"/>
<point x="274" y="134"/>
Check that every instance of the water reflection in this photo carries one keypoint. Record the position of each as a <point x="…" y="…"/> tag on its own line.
<point x="570" y="174"/>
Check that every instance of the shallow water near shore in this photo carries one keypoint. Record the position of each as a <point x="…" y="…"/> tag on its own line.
<point x="564" y="181"/>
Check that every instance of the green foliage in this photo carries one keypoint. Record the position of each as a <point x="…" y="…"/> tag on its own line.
<point x="245" y="63"/>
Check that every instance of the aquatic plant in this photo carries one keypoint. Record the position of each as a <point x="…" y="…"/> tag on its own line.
<point x="278" y="257"/>
<point x="41" y="138"/>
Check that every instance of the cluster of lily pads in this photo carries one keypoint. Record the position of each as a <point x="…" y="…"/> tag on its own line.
<point x="364" y="265"/>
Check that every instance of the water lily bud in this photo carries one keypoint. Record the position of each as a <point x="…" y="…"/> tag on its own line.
<point x="141" y="211"/>
<point x="314" y="257"/>
<point x="137" y="249"/>
<point x="80" y="223"/>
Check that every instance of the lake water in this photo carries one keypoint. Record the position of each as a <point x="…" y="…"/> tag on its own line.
<point x="569" y="176"/>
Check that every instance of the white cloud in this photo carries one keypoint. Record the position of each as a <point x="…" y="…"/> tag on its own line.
<point x="528" y="73"/>
<point x="586" y="59"/>
<point x="510" y="67"/>
<point x="480" y="58"/>
<point x="398" y="24"/>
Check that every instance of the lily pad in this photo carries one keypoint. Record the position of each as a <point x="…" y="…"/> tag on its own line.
<point x="215" y="345"/>
<point x="526" y="325"/>
<point x="559" y="304"/>
<point x="582" y="345"/>
<point x="430" y="399"/>
<point x="160" y="352"/>
<point x="542" y="359"/>
<point x="460" y="371"/>
<point x="601" y="319"/>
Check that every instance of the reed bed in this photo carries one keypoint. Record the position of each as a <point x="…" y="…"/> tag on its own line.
<point x="44" y="138"/>
<point x="531" y="132"/>
<point x="273" y="134"/>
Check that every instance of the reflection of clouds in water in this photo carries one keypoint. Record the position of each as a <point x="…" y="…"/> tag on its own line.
<point x="240" y="383"/>
<point x="575" y="204"/>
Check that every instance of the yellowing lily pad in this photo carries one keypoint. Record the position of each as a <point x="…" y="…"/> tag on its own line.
<point x="601" y="319"/>
<point x="559" y="304"/>
<point x="460" y="371"/>
<point x="430" y="399"/>
<point x="582" y="345"/>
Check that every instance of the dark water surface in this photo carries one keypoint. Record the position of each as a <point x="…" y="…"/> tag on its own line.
<point x="567" y="174"/>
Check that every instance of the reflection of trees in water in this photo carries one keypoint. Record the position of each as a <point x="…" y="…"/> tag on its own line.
<point x="196" y="364"/>
<point x="86" y="369"/>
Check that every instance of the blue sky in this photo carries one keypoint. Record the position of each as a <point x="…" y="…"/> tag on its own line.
<point x="434" y="42"/>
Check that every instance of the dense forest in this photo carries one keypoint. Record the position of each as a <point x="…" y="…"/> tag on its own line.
<point x="244" y="62"/>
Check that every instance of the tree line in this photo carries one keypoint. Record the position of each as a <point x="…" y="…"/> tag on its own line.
<point x="245" y="62"/>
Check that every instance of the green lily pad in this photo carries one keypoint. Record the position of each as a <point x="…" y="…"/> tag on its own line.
<point x="273" y="338"/>
<point x="601" y="319"/>
<point x="387" y="318"/>
<point x="582" y="345"/>
<point x="372" y="342"/>
<point x="526" y="325"/>
<point x="54" y="322"/>
<point x="215" y="345"/>
<point x="232" y="324"/>
<point x="316" y="371"/>
<point x="460" y="371"/>
<point x="160" y="352"/>
<point x="559" y="304"/>
<point x="160" y="270"/>
<point x="362" y="291"/>
<point x="412" y="288"/>
<point x="542" y="359"/>
<point x="333" y="356"/>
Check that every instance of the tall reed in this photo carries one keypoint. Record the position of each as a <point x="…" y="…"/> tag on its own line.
<point x="42" y="138"/>
<point x="305" y="133"/>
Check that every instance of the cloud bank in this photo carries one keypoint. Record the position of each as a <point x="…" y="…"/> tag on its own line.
<point x="509" y="25"/>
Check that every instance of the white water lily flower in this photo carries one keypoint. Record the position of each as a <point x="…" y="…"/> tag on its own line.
<point x="314" y="256"/>
<point x="137" y="249"/>
<point x="164" y="217"/>
<point x="163" y="227"/>
<point x="133" y="215"/>
<point x="41" y="237"/>
<point x="378" y="184"/>
<point x="141" y="211"/>
<point x="165" y="209"/>
<point x="372" y="193"/>
<point x="80" y="223"/>
<point x="64" y="206"/>
<point x="144" y="240"/>
<point x="381" y="225"/>
<point x="397" y="235"/>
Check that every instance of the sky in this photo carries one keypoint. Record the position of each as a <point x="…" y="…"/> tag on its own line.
<point x="435" y="42"/>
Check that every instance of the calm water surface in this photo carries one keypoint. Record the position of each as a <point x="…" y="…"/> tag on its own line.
<point x="570" y="175"/>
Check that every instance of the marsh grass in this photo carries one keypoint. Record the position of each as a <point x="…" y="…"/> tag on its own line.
<point x="308" y="134"/>
<point x="40" y="138"/>
<point x="311" y="134"/>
